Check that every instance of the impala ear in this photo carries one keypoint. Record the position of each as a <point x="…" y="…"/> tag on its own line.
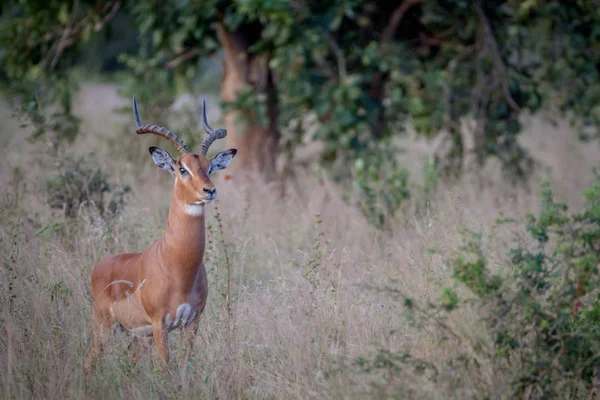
<point x="162" y="159"/>
<point x="222" y="160"/>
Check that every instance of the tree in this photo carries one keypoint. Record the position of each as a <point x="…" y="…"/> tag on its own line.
<point x="363" y="67"/>
<point x="40" y="42"/>
<point x="200" y="29"/>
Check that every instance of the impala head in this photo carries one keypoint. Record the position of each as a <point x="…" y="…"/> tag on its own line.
<point x="192" y="171"/>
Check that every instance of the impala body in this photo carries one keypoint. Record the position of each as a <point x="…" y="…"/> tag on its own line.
<point x="163" y="287"/>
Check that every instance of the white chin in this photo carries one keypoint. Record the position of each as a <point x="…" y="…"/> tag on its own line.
<point x="195" y="210"/>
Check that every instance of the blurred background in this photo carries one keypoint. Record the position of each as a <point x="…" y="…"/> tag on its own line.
<point x="387" y="97"/>
<point x="370" y="135"/>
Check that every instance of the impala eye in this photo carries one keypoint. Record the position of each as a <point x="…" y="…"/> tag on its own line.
<point x="182" y="170"/>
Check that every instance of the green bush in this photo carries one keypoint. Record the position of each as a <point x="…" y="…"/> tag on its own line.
<point x="82" y="183"/>
<point x="540" y="313"/>
<point x="380" y="184"/>
<point x="545" y="315"/>
<point x="363" y="67"/>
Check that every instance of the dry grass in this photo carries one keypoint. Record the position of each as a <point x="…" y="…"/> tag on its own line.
<point x="308" y="274"/>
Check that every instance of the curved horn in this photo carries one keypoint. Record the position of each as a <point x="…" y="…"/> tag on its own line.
<point x="211" y="134"/>
<point x="142" y="129"/>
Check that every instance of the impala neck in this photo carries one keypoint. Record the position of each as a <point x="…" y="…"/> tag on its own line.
<point x="185" y="235"/>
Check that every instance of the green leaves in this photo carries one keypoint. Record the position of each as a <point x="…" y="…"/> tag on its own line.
<point x="379" y="183"/>
<point x="449" y="299"/>
<point x="39" y="46"/>
<point x="472" y="271"/>
<point x="540" y="312"/>
<point x="552" y="215"/>
<point x="363" y="73"/>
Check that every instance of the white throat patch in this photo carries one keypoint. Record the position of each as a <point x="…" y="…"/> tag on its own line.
<point x="194" y="210"/>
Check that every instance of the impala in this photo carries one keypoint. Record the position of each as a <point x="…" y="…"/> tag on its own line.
<point x="164" y="287"/>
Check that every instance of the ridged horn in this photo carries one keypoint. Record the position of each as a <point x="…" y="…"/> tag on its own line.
<point x="211" y="134"/>
<point x="142" y="129"/>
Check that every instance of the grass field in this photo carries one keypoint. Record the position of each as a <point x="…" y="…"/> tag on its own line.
<point x="309" y="275"/>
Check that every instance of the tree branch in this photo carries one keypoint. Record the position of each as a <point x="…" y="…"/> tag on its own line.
<point x="499" y="66"/>
<point x="339" y="56"/>
<point x="62" y="43"/>
<point x="386" y="36"/>
<point x="437" y="40"/>
<point x="183" y="57"/>
<point x="111" y="14"/>
<point x="69" y="35"/>
<point x="395" y="19"/>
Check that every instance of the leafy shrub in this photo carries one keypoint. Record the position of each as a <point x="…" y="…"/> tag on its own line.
<point x="362" y="66"/>
<point x="380" y="183"/>
<point x="545" y="315"/>
<point x="540" y="314"/>
<point x="82" y="183"/>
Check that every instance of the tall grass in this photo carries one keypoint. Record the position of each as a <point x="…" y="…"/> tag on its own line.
<point x="308" y="277"/>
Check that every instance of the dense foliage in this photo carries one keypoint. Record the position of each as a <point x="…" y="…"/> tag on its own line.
<point x="545" y="316"/>
<point x="364" y="67"/>
<point x="540" y="310"/>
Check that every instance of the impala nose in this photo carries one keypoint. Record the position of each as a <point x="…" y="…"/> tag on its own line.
<point x="210" y="192"/>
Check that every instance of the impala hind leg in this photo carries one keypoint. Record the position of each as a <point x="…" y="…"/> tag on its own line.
<point x="102" y="329"/>
<point x="138" y="347"/>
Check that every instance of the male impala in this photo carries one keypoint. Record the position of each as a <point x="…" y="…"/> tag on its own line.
<point x="163" y="287"/>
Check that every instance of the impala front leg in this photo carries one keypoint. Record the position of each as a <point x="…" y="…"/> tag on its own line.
<point x="188" y="335"/>
<point x="102" y="324"/>
<point x="160" y="340"/>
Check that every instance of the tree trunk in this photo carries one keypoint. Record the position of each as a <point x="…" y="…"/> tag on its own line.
<point x="258" y="144"/>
